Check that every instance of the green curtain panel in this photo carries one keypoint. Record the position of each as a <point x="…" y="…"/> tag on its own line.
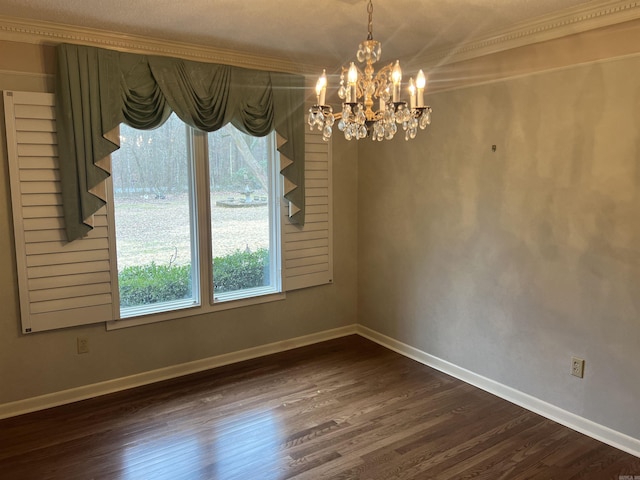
<point x="99" y="89"/>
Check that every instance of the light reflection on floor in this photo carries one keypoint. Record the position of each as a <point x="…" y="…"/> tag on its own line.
<point x="243" y="446"/>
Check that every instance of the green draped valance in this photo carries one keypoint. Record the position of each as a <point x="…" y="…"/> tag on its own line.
<point x="98" y="89"/>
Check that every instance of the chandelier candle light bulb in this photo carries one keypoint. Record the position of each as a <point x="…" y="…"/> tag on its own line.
<point x="359" y="118"/>
<point x="412" y="94"/>
<point x="421" y="82"/>
<point x="321" y="88"/>
<point x="352" y="80"/>
<point x="396" y="78"/>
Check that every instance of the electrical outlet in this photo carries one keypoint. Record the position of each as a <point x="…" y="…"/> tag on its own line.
<point x="577" y="367"/>
<point x="83" y="344"/>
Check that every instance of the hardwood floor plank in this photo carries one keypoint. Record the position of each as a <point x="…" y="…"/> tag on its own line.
<point x="450" y="457"/>
<point x="343" y="409"/>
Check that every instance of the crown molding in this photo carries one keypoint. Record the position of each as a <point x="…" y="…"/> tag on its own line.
<point x="48" y="33"/>
<point x="549" y="27"/>
<point x="567" y="22"/>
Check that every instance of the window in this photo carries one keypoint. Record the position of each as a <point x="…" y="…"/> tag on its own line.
<point x="245" y="240"/>
<point x="155" y="224"/>
<point x="159" y="237"/>
<point x="64" y="284"/>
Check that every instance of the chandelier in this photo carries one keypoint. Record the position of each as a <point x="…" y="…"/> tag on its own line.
<point x="358" y="118"/>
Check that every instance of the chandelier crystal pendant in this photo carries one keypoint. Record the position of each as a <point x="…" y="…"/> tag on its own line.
<point x="358" y="118"/>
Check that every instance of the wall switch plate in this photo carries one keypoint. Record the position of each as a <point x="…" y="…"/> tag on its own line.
<point x="83" y="345"/>
<point x="577" y="367"/>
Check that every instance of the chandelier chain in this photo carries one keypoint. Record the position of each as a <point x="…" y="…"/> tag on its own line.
<point x="370" y="11"/>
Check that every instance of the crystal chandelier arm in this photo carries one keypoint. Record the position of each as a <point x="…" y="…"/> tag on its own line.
<point x="382" y="80"/>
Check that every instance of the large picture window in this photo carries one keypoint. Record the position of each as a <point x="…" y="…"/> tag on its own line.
<point x="161" y="245"/>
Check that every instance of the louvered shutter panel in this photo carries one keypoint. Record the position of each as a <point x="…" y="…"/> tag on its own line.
<point x="61" y="284"/>
<point x="308" y="256"/>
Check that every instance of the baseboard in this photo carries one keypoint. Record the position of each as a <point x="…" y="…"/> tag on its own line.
<point x="594" y="430"/>
<point x="102" y="388"/>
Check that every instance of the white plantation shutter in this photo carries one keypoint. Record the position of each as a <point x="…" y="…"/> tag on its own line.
<point x="61" y="284"/>
<point x="308" y="258"/>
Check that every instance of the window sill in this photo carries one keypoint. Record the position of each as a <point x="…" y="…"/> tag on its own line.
<point x="194" y="310"/>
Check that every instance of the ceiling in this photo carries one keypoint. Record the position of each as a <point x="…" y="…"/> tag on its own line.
<point x="308" y="31"/>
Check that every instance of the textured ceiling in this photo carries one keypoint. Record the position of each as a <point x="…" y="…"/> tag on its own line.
<point x="309" y="31"/>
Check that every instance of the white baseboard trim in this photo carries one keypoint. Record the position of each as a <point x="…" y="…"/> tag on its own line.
<point x="102" y="388"/>
<point x="594" y="430"/>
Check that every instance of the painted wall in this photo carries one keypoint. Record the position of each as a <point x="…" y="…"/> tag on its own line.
<point x="508" y="263"/>
<point x="32" y="365"/>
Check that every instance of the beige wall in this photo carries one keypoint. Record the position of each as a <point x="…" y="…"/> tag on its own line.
<point x="32" y="365"/>
<point x="509" y="263"/>
<point x="599" y="44"/>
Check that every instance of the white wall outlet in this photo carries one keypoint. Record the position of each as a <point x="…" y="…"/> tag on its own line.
<point x="83" y="344"/>
<point x="577" y="367"/>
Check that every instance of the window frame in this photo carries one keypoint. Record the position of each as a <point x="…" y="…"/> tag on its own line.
<point x="276" y="230"/>
<point x="206" y="301"/>
<point x="172" y="305"/>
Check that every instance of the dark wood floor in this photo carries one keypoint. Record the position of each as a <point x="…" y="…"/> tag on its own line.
<point x="344" y="409"/>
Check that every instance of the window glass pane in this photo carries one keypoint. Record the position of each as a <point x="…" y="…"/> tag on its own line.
<point x="152" y="185"/>
<point x="241" y="193"/>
